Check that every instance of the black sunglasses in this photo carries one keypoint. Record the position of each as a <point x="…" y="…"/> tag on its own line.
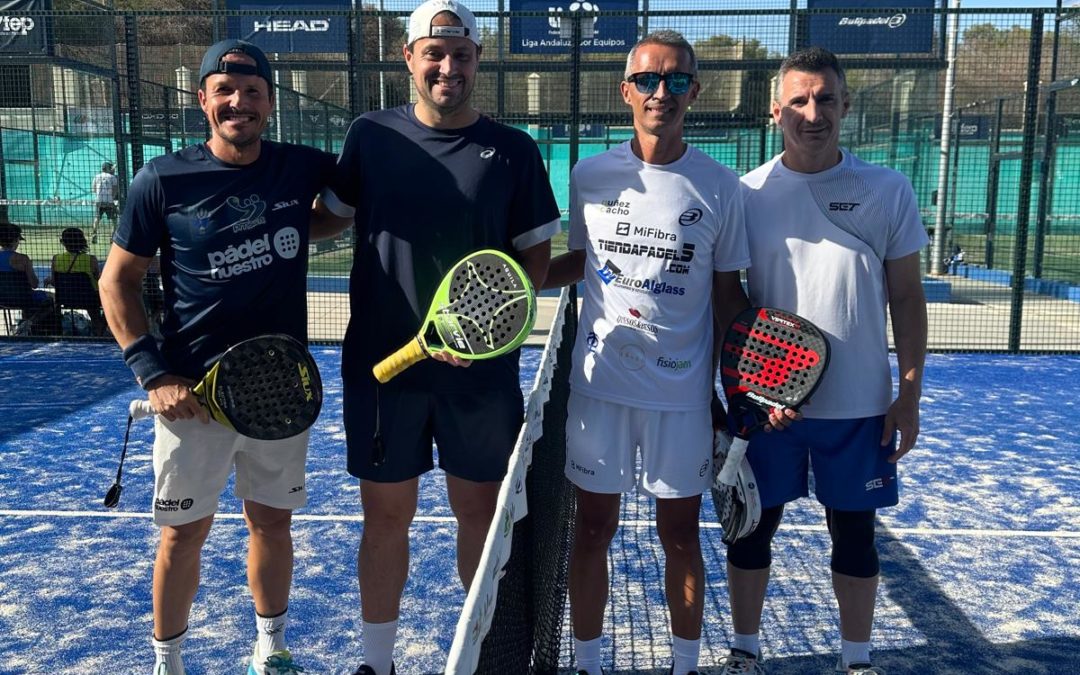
<point x="676" y="83"/>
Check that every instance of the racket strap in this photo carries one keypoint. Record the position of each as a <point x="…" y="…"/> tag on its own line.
<point x="123" y="451"/>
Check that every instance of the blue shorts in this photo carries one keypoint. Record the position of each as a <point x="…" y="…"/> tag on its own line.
<point x="849" y="463"/>
<point x="475" y="431"/>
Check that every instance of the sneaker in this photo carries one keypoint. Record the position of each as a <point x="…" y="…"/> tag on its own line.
<point x="277" y="663"/>
<point x="368" y="670"/>
<point x="739" y="662"/>
<point x="858" y="668"/>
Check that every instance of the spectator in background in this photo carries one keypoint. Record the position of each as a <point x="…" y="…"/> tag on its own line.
<point x="106" y="190"/>
<point x="44" y="319"/>
<point x="76" y="260"/>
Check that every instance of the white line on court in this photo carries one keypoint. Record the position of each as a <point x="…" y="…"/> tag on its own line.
<point x="638" y="524"/>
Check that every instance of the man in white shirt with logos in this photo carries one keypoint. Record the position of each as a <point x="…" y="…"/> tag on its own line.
<point x="657" y="232"/>
<point x="106" y="190"/>
<point x="836" y="240"/>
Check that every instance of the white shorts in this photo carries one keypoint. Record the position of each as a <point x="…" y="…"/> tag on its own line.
<point x="192" y="463"/>
<point x="603" y="440"/>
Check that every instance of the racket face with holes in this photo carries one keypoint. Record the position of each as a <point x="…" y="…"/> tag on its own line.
<point x="267" y="388"/>
<point x="484" y="307"/>
<point x="770" y="359"/>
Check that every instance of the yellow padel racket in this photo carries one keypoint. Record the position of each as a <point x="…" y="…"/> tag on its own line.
<point x="484" y="307"/>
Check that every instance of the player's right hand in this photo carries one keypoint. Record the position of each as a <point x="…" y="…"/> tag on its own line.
<point x="172" y="398"/>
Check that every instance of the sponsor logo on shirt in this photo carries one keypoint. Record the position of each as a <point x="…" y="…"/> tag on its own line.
<point x="690" y="216"/>
<point x="626" y="230"/>
<point x="580" y="469"/>
<point x="252" y="209"/>
<point x="638" y="320"/>
<point x="678" y="268"/>
<point x="487" y="153"/>
<point x="253" y="254"/>
<point x="615" y="207"/>
<point x="677" y="365"/>
<point x="843" y="206"/>
<point x="877" y="483"/>
<point x="686" y="254"/>
<point x="284" y="205"/>
<point x="632" y="357"/>
<point x="610" y="273"/>
<point x="592" y="341"/>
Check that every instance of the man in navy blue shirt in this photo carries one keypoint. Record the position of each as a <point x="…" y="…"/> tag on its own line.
<point x="231" y="219"/>
<point x="430" y="183"/>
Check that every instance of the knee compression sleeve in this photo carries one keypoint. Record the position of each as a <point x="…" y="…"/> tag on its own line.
<point x="853" y="550"/>
<point x="755" y="551"/>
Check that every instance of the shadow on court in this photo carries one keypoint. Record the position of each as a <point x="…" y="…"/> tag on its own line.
<point x="43" y="382"/>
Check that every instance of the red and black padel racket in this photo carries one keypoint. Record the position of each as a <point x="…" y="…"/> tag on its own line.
<point x="769" y="359"/>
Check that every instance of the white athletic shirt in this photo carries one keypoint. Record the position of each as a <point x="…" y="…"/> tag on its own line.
<point x="653" y="235"/>
<point x="104" y="187"/>
<point x="818" y="243"/>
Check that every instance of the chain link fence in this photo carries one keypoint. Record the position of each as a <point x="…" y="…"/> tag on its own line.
<point x="82" y="85"/>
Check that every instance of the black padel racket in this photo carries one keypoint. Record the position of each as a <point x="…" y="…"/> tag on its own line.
<point x="769" y="359"/>
<point x="484" y="307"/>
<point x="267" y="388"/>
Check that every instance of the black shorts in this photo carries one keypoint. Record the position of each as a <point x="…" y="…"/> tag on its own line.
<point x="108" y="210"/>
<point x="475" y="431"/>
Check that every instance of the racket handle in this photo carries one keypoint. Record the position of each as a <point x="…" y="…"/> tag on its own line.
<point x="411" y="353"/>
<point x="140" y="408"/>
<point x="735" y="455"/>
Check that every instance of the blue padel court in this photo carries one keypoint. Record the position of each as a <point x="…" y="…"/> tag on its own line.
<point x="979" y="561"/>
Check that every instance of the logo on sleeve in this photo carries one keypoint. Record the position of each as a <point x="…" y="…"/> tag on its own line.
<point x="843" y="206"/>
<point x="690" y="216"/>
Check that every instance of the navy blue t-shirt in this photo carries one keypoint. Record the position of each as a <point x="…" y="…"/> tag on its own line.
<point x="425" y="198"/>
<point x="233" y="243"/>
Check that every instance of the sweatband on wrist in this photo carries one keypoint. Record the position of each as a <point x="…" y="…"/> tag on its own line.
<point x="145" y="360"/>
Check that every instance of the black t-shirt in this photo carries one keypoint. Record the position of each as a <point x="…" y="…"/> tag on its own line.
<point x="424" y="199"/>
<point x="233" y="242"/>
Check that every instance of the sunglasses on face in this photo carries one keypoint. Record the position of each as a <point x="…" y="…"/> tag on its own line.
<point x="676" y="83"/>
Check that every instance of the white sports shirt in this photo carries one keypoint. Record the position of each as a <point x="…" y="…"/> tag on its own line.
<point x="104" y="187"/>
<point x="818" y="243"/>
<point x="653" y="235"/>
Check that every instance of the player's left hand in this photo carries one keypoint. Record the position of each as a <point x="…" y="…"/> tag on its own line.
<point x="781" y="418"/>
<point x="447" y="357"/>
<point x="903" y="417"/>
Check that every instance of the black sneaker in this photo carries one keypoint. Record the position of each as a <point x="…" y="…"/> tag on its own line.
<point x="368" y="670"/>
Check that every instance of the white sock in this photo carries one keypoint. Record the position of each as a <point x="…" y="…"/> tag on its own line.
<point x="168" y="652"/>
<point x="854" y="652"/>
<point x="587" y="653"/>
<point x="751" y="644"/>
<point x="685" y="653"/>
<point x="271" y="631"/>
<point x="379" y="641"/>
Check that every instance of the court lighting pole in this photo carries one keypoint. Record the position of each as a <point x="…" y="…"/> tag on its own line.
<point x="937" y="249"/>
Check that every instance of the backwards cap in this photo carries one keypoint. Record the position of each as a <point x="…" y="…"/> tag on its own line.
<point x="214" y="61"/>
<point x="421" y="18"/>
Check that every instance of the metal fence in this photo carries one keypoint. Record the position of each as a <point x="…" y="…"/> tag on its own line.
<point x="997" y="183"/>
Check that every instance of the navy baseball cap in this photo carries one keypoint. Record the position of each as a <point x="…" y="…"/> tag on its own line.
<point x="213" y="61"/>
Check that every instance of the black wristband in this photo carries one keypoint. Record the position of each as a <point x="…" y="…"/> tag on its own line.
<point x="145" y="360"/>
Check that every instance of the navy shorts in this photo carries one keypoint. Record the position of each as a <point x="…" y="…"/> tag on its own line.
<point x="475" y="431"/>
<point x="849" y="464"/>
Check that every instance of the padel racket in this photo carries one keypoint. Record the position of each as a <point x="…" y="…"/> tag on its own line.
<point x="769" y="359"/>
<point x="267" y="388"/>
<point x="484" y="307"/>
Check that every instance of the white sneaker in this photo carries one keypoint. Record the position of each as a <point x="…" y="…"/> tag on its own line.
<point x="738" y="662"/>
<point x="858" y="668"/>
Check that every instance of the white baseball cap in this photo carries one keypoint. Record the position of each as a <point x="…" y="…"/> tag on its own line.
<point x="421" y="18"/>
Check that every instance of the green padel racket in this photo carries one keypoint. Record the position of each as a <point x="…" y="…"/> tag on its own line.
<point x="484" y="307"/>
